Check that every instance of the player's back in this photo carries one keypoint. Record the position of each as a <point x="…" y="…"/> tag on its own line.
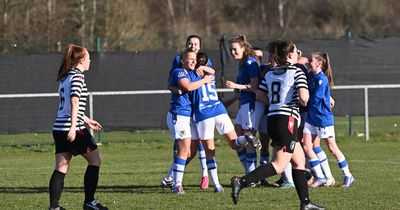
<point x="282" y="83"/>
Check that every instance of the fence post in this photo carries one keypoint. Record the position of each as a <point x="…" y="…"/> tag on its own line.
<point x="98" y="44"/>
<point x="91" y="110"/>
<point x="351" y="129"/>
<point x="366" y="119"/>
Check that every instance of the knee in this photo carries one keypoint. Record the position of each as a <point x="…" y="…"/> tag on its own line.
<point x="62" y="167"/>
<point x="95" y="162"/>
<point x="278" y="167"/>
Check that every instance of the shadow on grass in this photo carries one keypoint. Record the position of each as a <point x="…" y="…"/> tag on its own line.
<point x="139" y="189"/>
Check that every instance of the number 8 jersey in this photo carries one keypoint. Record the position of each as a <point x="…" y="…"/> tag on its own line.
<point x="72" y="84"/>
<point x="281" y="84"/>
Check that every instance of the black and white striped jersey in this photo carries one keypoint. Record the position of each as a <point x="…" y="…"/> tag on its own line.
<point x="281" y="84"/>
<point x="72" y="84"/>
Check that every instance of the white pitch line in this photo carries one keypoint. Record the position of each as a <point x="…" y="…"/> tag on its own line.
<point x="376" y="161"/>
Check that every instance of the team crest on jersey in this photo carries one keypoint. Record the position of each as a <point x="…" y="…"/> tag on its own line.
<point x="181" y="74"/>
<point x="249" y="61"/>
<point x="320" y="81"/>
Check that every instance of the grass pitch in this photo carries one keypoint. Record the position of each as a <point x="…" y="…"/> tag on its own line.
<point x="135" y="162"/>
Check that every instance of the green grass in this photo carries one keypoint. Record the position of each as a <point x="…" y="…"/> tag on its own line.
<point x="134" y="163"/>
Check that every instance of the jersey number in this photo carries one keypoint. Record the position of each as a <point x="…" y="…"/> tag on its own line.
<point x="62" y="99"/>
<point x="209" y="92"/>
<point x="275" y="89"/>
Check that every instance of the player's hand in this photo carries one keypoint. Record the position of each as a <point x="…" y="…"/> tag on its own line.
<point x="332" y="102"/>
<point x="71" y="134"/>
<point x="230" y="84"/>
<point x="208" y="79"/>
<point x="94" y="125"/>
<point x="200" y="72"/>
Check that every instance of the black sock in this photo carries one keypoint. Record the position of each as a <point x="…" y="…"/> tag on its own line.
<point x="90" y="182"/>
<point x="300" y="183"/>
<point x="260" y="173"/>
<point x="56" y="185"/>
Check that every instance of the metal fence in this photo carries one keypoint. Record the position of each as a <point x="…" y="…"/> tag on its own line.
<point x="365" y="89"/>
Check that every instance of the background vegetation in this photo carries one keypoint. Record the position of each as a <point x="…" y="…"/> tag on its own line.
<point x="120" y="25"/>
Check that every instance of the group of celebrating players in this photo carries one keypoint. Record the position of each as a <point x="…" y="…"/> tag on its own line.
<point x="287" y="100"/>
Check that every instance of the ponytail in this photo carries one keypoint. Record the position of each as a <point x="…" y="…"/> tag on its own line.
<point x="326" y="66"/>
<point x="72" y="56"/>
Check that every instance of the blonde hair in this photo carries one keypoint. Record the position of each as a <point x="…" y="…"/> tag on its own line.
<point x="326" y="65"/>
<point x="72" y="57"/>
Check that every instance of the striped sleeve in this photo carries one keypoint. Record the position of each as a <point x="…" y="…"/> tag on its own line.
<point x="263" y="84"/>
<point x="300" y="80"/>
<point x="77" y="85"/>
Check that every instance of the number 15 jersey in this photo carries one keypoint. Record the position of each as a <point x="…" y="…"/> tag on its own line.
<point x="281" y="85"/>
<point x="205" y="100"/>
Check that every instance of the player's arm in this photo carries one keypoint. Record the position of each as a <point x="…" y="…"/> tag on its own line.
<point x="93" y="124"/>
<point x="254" y="82"/>
<point x="262" y="96"/>
<point x="74" y="118"/>
<point x="303" y="96"/>
<point x="202" y="70"/>
<point x="175" y="90"/>
<point x="186" y="85"/>
<point x="231" y="100"/>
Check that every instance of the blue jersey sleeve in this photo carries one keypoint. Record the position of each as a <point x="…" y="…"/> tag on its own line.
<point x="177" y="75"/>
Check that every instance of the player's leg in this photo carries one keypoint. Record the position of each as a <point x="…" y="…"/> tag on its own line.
<point x="180" y="130"/>
<point x="180" y="163"/>
<point x="62" y="160"/>
<point x="88" y="148"/>
<point x="309" y="134"/>
<point x="300" y="182"/>
<point x="197" y="146"/>
<point x="56" y="183"/>
<point x="241" y="153"/>
<point x="323" y="159"/>
<point x="281" y="142"/>
<point x="342" y="162"/>
<point x="250" y="125"/>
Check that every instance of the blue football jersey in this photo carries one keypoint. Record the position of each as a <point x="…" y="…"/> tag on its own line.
<point x="179" y="104"/>
<point x="248" y="70"/>
<point x="205" y="102"/>
<point x="318" y="107"/>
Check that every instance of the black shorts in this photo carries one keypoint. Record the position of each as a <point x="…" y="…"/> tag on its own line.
<point x="283" y="131"/>
<point x="83" y="143"/>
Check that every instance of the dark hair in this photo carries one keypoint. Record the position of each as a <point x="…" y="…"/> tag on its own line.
<point x="184" y="55"/>
<point x="256" y="48"/>
<point x="326" y="65"/>
<point x="283" y="48"/>
<point x="193" y="36"/>
<point x="272" y="52"/>
<point x="248" y="50"/>
<point x="202" y="59"/>
<point x="272" y="57"/>
<point x="72" y="56"/>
